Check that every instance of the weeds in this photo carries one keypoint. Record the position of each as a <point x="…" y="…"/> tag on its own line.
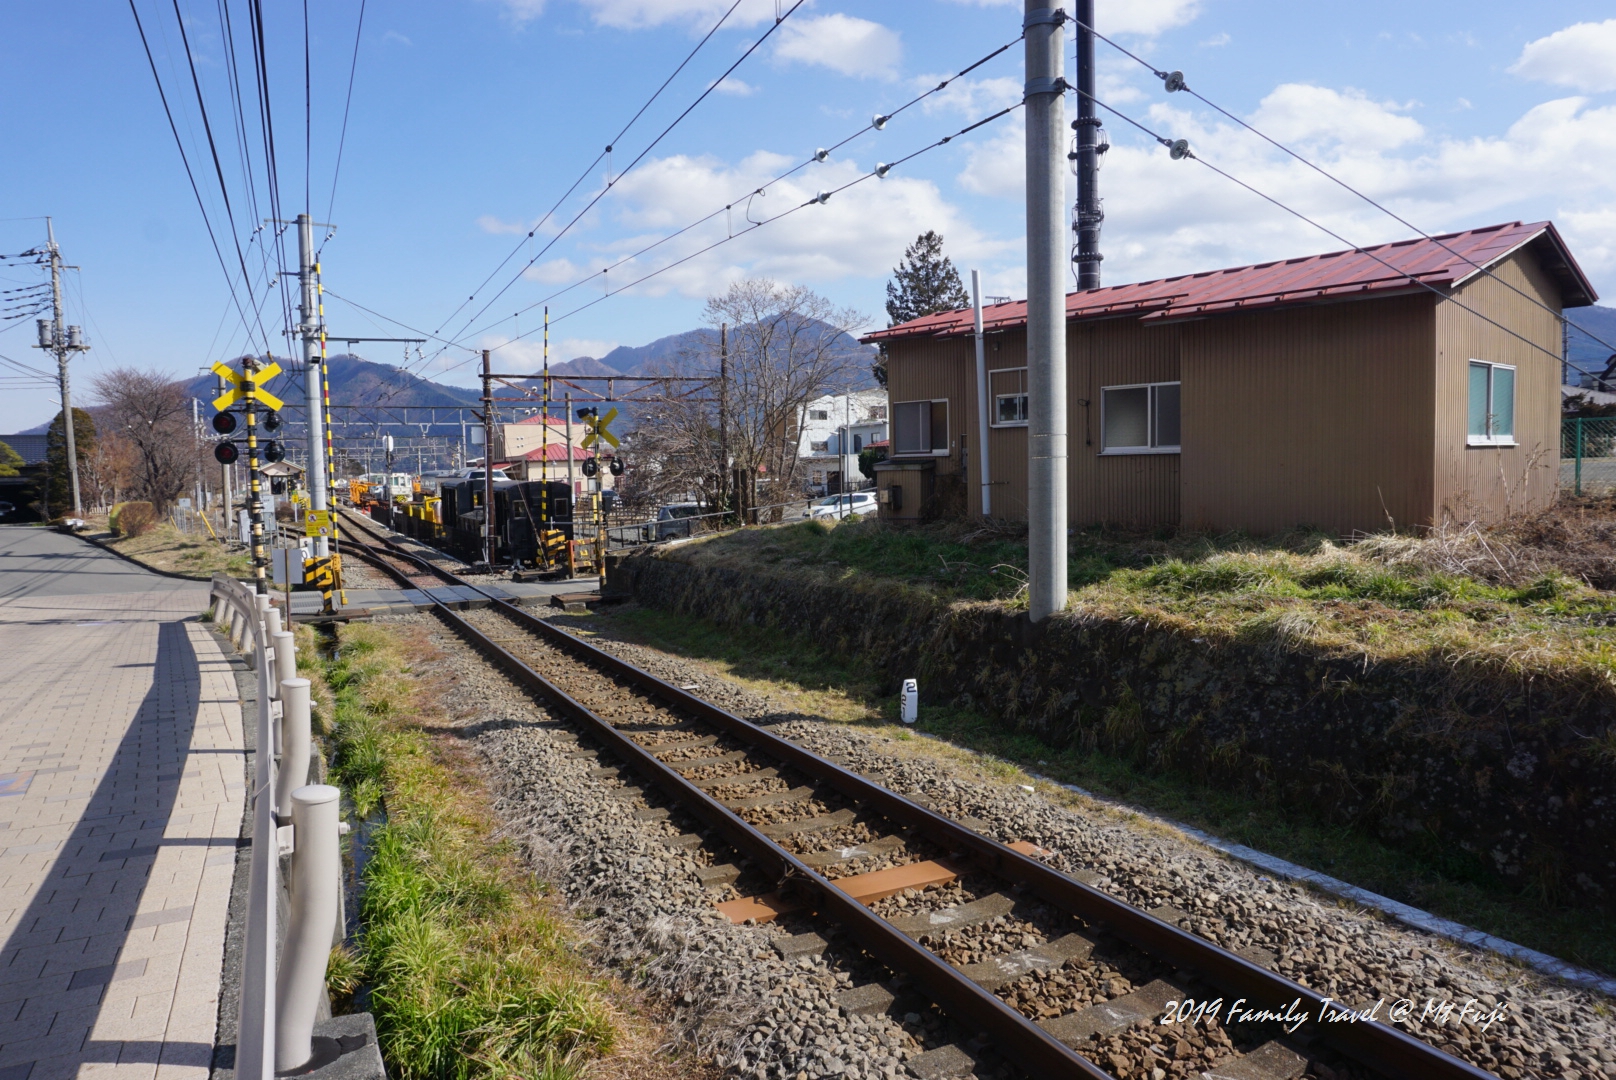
<point x="471" y="974"/>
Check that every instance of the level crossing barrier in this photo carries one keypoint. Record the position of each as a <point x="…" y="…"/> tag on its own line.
<point x="291" y="819"/>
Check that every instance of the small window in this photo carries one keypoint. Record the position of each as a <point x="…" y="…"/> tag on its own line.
<point x="1009" y="409"/>
<point x="920" y="427"/>
<point x="1492" y="405"/>
<point x="878" y="412"/>
<point x="822" y="447"/>
<point x="1140" y="419"/>
<point x="818" y="414"/>
<point x="858" y="444"/>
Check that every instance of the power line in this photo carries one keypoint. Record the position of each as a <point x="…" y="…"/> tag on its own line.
<point x="876" y="123"/>
<point x="590" y="168"/>
<point x="342" y="140"/>
<point x="612" y="182"/>
<point x="1174" y="82"/>
<point x="818" y="200"/>
<point x="1181" y="150"/>
<point x="191" y="176"/>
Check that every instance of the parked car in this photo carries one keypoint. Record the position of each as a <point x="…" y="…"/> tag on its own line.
<point x="678" y="520"/>
<point x="847" y="504"/>
<point x="6" y="509"/>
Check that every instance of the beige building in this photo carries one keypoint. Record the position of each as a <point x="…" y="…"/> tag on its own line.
<point x="1401" y="384"/>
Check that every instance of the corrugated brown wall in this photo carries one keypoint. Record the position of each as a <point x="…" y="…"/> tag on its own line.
<point x="1127" y="489"/>
<point x="1319" y="416"/>
<point x="928" y="370"/>
<point x="1489" y="482"/>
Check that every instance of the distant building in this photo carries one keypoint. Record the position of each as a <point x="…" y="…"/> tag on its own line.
<point x="835" y="429"/>
<point x="31" y="447"/>
<point x="525" y="449"/>
<point x="1402" y="384"/>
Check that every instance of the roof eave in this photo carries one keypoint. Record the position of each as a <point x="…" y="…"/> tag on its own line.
<point x="1567" y="273"/>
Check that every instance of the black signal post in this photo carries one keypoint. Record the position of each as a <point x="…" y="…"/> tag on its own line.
<point x="255" y="496"/>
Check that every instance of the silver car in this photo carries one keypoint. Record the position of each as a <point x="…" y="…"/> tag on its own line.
<point x="848" y="504"/>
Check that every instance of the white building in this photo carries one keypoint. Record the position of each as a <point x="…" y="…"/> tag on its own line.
<point x="834" y="429"/>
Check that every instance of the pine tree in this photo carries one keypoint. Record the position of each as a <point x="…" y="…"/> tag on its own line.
<point x="61" y="479"/>
<point x="10" y="461"/>
<point x="923" y="283"/>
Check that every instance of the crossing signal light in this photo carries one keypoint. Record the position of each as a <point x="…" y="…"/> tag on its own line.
<point x="224" y="423"/>
<point x="225" y="453"/>
<point x="616" y="467"/>
<point x="274" y="451"/>
<point x="591" y="467"/>
<point x="272" y="422"/>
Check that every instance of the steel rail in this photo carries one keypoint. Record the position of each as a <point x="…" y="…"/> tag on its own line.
<point x="1033" y="1048"/>
<point x="1371" y="1042"/>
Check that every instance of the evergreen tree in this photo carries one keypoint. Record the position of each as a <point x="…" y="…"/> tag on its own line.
<point x="10" y="461"/>
<point x="923" y="283"/>
<point x="61" y="482"/>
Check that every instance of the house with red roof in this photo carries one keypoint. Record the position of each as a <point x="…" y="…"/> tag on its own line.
<point x="1399" y="384"/>
<point x="528" y="444"/>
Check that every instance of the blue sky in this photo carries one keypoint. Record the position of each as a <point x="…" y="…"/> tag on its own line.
<point x="471" y="117"/>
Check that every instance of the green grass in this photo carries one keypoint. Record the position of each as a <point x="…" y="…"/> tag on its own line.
<point x="471" y="973"/>
<point x="1440" y="879"/>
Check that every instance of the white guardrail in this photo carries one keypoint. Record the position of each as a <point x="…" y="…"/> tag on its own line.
<point x="275" y="1030"/>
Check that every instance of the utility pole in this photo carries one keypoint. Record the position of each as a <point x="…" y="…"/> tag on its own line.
<point x="255" y="494"/>
<point x="63" y="341"/>
<point x="1087" y="125"/>
<point x="983" y="417"/>
<point x="224" y="471"/>
<point x="1046" y="311"/>
<point x="308" y="314"/>
<point x="723" y="416"/>
<point x="488" y="462"/>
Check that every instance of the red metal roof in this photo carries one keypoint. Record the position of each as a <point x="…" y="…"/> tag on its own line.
<point x="1313" y="278"/>
<point x="556" y="451"/>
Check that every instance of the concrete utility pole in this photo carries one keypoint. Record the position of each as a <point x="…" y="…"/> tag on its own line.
<point x="983" y="416"/>
<point x="1087" y="125"/>
<point x="1046" y="312"/>
<point x="308" y="315"/>
<point x="63" y="341"/>
<point x="488" y="462"/>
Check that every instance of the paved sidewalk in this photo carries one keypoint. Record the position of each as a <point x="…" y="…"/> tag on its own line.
<point x="121" y="791"/>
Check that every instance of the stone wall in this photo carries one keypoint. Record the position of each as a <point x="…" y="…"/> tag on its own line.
<point x="1515" y="766"/>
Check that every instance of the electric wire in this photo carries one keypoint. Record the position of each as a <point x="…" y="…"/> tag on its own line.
<point x="811" y="159"/>
<point x="590" y="168"/>
<point x="342" y="140"/>
<point x="1180" y="84"/>
<point x="190" y="175"/>
<point x="612" y="182"/>
<point x="817" y="200"/>
<point x="1399" y="271"/>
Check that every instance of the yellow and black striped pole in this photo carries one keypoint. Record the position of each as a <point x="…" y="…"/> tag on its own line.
<point x="255" y="502"/>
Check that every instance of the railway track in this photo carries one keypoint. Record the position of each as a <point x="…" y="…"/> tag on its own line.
<point x="1025" y="961"/>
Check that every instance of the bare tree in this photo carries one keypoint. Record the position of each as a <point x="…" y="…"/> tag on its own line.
<point x="153" y="413"/>
<point x="786" y="346"/>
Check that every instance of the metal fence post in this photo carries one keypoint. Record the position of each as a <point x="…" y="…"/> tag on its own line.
<point x="285" y="656"/>
<point x="1578" y="423"/>
<point x="295" y="740"/>
<point x="316" y="881"/>
<point x="255" y="1044"/>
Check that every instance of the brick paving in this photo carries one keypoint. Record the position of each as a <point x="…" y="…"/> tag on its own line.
<point x="121" y="791"/>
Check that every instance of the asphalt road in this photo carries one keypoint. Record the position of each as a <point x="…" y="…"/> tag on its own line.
<point x="36" y="562"/>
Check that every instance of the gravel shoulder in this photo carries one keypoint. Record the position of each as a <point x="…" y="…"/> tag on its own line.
<point x="734" y="998"/>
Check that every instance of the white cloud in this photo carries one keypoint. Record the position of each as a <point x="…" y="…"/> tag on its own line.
<point x="639" y="14"/>
<point x="858" y="233"/>
<point x="970" y="98"/>
<point x="570" y="348"/>
<point x="734" y="86"/>
<point x="394" y="35"/>
<point x="1582" y="57"/>
<point x="1133" y="17"/>
<point x="1216" y="41"/>
<point x="488" y="223"/>
<point x="522" y="11"/>
<point x="1310" y="116"/>
<point x="842" y="43"/>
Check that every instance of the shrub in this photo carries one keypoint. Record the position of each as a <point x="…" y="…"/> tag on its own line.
<point x="132" y="518"/>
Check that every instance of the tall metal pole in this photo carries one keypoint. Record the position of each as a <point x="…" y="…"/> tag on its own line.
<point x="1089" y="214"/>
<point x="488" y="462"/>
<point x="255" y="504"/>
<point x="1046" y="313"/>
<point x="723" y="415"/>
<point x="63" y="344"/>
<point x="313" y="366"/>
<point x="224" y="474"/>
<point x="982" y="414"/>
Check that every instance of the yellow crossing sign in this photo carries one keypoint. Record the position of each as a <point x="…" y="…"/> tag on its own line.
<point x="236" y="393"/>
<point x="597" y="429"/>
<point x="318" y="523"/>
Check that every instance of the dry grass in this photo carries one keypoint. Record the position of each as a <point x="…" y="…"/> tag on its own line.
<point x="165" y="548"/>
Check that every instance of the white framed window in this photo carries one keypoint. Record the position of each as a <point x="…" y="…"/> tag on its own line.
<point x="1492" y="405"/>
<point x="821" y="447"/>
<point x="818" y="414"/>
<point x="878" y="412"/>
<point x="1140" y="419"/>
<point x="1007" y="388"/>
<point x="920" y="427"/>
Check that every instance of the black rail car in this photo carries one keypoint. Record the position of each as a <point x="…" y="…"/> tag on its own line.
<point x="521" y="510"/>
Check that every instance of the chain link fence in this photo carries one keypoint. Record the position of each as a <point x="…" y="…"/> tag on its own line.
<point x="1588" y="455"/>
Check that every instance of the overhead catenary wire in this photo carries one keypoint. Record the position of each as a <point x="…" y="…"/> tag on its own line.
<point x="612" y="182"/>
<point x="589" y="169"/>
<point x="1181" y="150"/>
<point x="1175" y="82"/>
<point x="876" y="123"/>
<point x="347" y="105"/>
<point x="819" y="199"/>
